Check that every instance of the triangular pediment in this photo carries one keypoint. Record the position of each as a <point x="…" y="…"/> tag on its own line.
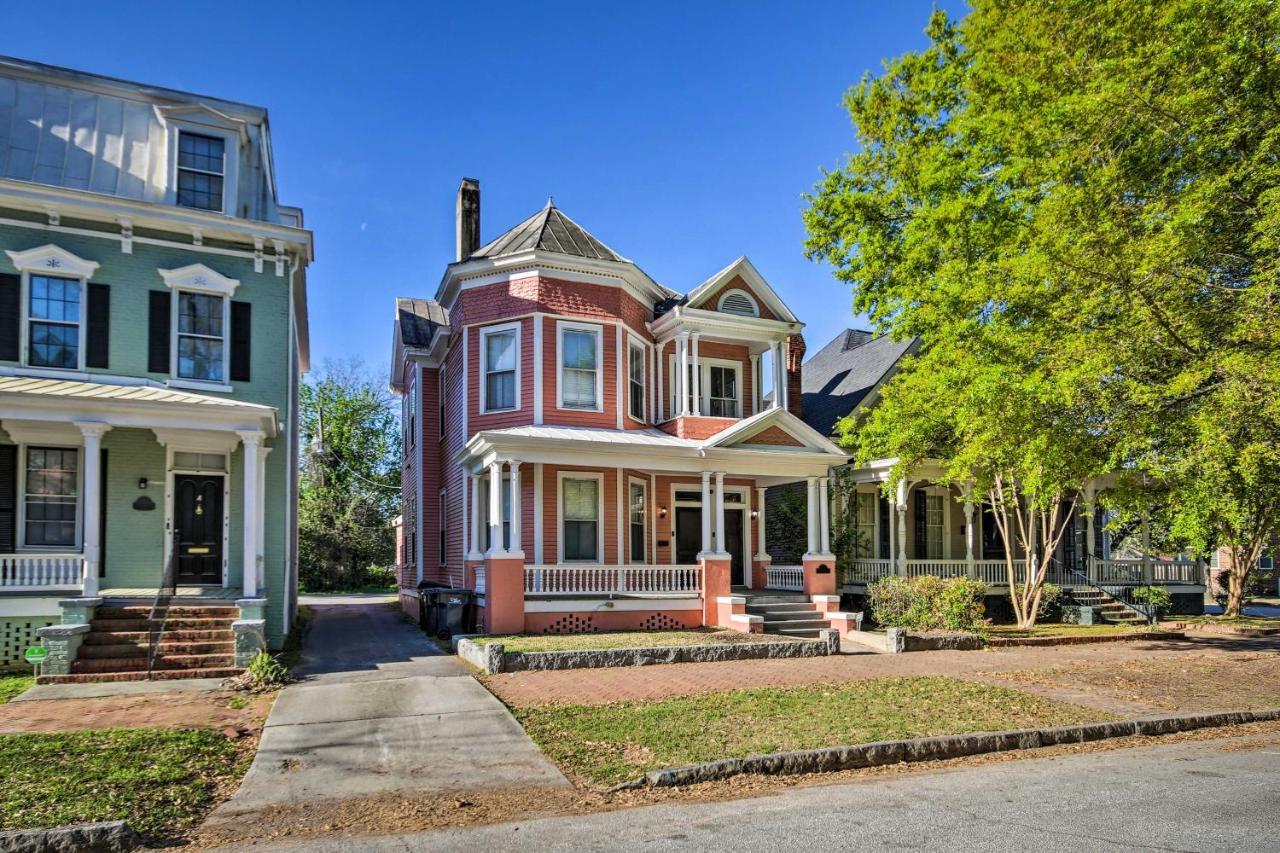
<point x="52" y="260"/>
<point x="740" y="279"/>
<point x="200" y="114"/>
<point x="774" y="429"/>
<point x="200" y="278"/>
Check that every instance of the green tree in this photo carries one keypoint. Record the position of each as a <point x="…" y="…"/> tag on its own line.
<point x="1078" y="206"/>
<point x="349" y="491"/>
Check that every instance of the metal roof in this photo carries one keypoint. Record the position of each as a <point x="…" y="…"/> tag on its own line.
<point x="419" y="319"/>
<point x="549" y="230"/>
<point x="72" y="390"/>
<point x="838" y="377"/>
<point x="635" y="437"/>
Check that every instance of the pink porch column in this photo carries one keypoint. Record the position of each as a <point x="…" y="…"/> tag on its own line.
<point x="504" y="595"/>
<point x="819" y="574"/>
<point x="716" y="576"/>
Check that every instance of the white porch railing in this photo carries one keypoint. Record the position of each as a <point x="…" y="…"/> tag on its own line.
<point x="634" y="579"/>
<point x="1134" y="571"/>
<point x="479" y="580"/>
<point x="41" y="571"/>
<point x="865" y="570"/>
<point x="937" y="568"/>
<point x="784" y="577"/>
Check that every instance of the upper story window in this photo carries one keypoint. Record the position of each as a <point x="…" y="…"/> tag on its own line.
<point x="722" y="401"/>
<point x="201" y="336"/>
<point x="635" y="381"/>
<point x="580" y="374"/>
<point x="411" y="412"/>
<point x="53" y="322"/>
<point x="500" y="347"/>
<point x="442" y="394"/>
<point x="202" y="168"/>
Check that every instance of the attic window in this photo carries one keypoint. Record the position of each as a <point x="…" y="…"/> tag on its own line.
<point x="739" y="302"/>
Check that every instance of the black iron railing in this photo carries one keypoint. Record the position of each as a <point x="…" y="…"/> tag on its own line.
<point x="160" y="606"/>
<point x="1119" y="594"/>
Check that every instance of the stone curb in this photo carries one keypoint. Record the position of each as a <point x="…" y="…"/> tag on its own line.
<point x="111" y="837"/>
<point x="836" y="758"/>
<point x="1005" y="642"/>
<point x="492" y="658"/>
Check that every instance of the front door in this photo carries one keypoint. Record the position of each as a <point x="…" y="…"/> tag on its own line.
<point x="688" y="534"/>
<point x="197" y="521"/>
<point x="733" y="544"/>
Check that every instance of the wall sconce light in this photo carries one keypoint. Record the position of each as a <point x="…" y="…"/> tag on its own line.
<point x="755" y="513"/>
<point x="142" y="482"/>
<point x="662" y="512"/>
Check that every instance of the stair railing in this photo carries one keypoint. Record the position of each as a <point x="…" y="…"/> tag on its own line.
<point x="1116" y="594"/>
<point x="159" y="614"/>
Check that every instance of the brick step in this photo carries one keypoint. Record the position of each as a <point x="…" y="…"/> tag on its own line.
<point x="179" y="623"/>
<point x="163" y="662"/>
<point x="140" y="611"/>
<point x="124" y="650"/>
<point x="158" y="675"/>
<point x="110" y="638"/>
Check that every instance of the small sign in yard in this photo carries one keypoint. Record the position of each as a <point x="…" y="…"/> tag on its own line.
<point x="35" y="655"/>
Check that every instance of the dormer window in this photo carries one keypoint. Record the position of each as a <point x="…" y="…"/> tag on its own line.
<point x="202" y="167"/>
<point x="739" y="302"/>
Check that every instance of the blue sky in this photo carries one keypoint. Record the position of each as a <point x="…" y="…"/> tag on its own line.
<point x="681" y="134"/>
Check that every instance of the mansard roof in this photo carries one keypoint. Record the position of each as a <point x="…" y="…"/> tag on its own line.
<point x="549" y="230"/>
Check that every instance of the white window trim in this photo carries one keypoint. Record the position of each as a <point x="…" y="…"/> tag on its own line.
<point x="52" y="262"/>
<point x="231" y="164"/>
<point x="704" y="383"/>
<point x="411" y="415"/>
<point x="171" y="472"/>
<point x="21" y="538"/>
<point x="720" y="302"/>
<point x="945" y="494"/>
<point x="644" y="487"/>
<point x="177" y="381"/>
<point x="635" y="347"/>
<point x="561" y="476"/>
<point x="596" y="329"/>
<point x="504" y="328"/>
<point x="442" y="387"/>
<point x="442" y="535"/>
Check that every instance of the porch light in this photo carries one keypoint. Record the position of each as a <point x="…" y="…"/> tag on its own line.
<point x="755" y="513"/>
<point x="142" y="482"/>
<point x="662" y="512"/>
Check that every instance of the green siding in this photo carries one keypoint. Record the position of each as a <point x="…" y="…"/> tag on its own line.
<point x="135" y="539"/>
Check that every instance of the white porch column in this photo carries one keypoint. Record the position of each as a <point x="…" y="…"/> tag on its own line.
<point x="968" y="532"/>
<point x="811" y="515"/>
<point x="474" y="553"/>
<point x="782" y="374"/>
<point x="517" y="543"/>
<point x="760" y="551"/>
<point x="252" y="440"/>
<point x="261" y="522"/>
<point x="682" y="375"/>
<point x="824" y="517"/>
<point x="776" y="350"/>
<point x="755" y="383"/>
<point x="495" y="511"/>
<point x="1090" y="540"/>
<point x="720" y="544"/>
<point x="697" y="378"/>
<point x="903" y="494"/>
<point x="706" y="512"/>
<point x="92" y="464"/>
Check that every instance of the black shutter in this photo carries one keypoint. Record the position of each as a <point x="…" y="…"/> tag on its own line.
<point x="8" y="497"/>
<point x="99" y="326"/>
<point x="922" y="524"/>
<point x="10" y="316"/>
<point x="158" y="332"/>
<point x="241" y="326"/>
<point x="102" y="513"/>
<point x="886" y="519"/>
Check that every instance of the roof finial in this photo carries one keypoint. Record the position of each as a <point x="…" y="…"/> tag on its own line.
<point x="551" y="202"/>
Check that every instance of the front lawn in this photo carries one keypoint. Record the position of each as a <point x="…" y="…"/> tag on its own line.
<point x="14" y="685"/>
<point x="607" y="744"/>
<point x="1063" y="630"/>
<point x="1238" y="622"/>
<point x="159" y="780"/>
<point x="621" y="640"/>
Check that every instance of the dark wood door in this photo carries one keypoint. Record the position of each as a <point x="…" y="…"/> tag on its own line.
<point x="733" y="544"/>
<point x="688" y="534"/>
<point x="197" y="519"/>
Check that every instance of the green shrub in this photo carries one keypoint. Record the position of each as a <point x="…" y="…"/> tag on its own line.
<point x="266" y="671"/>
<point x="1155" y="596"/>
<point x="928" y="603"/>
<point x="1050" y="603"/>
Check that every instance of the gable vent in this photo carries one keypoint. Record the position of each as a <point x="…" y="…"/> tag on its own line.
<point x="738" y="302"/>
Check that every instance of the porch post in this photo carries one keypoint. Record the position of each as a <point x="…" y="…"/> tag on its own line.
<point x="697" y="379"/>
<point x="968" y="532"/>
<point x="706" y="512"/>
<point x="516" y="542"/>
<point x="682" y="376"/>
<point x="1147" y="569"/>
<point x="903" y="494"/>
<point x="811" y="516"/>
<point x="892" y="556"/>
<point x="720" y="546"/>
<point x="755" y="383"/>
<point x="824" y="517"/>
<point x="475" y="553"/>
<point x="495" y="511"/>
<point x="92" y="433"/>
<point x="1090" y="538"/>
<point x="776" y="349"/>
<point x="760" y="551"/>
<point x="252" y="441"/>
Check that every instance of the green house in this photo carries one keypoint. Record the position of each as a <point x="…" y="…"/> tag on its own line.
<point x="153" y="330"/>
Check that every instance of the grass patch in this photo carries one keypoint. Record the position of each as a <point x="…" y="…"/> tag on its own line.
<point x="620" y="640"/>
<point x="160" y="780"/>
<point x="1238" y="622"/>
<point x="606" y="744"/>
<point x="14" y="685"/>
<point x="1062" y="630"/>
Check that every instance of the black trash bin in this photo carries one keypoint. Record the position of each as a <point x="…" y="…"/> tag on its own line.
<point x="426" y="604"/>
<point x="452" y="612"/>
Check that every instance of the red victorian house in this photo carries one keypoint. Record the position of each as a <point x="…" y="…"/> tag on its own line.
<point x="589" y="449"/>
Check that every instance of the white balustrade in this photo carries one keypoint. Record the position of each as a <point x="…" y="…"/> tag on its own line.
<point x="784" y="577"/>
<point x="41" y="571"/>
<point x="937" y="568"/>
<point x="633" y="579"/>
<point x="479" y="580"/>
<point x="865" y="570"/>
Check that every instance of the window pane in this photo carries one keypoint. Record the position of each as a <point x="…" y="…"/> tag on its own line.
<point x="201" y="152"/>
<point x="500" y="390"/>
<point x="200" y="314"/>
<point x="580" y="350"/>
<point x="579" y="389"/>
<point x="637" y="365"/>
<point x="500" y="351"/>
<point x="54" y="345"/>
<point x="50" y="501"/>
<point x="580" y="540"/>
<point x="55" y="299"/>
<point x="581" y="499"/>
<point x="200" y="358"/>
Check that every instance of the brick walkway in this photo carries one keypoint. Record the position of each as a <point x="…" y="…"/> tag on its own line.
<point x="598" y="686"/>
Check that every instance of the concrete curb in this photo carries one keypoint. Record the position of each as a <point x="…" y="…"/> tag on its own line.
<point x="836" y="758"/>
<point x="492" y="658"/>
<point x="111" y="837"/>
<point x="1005" y="642"/>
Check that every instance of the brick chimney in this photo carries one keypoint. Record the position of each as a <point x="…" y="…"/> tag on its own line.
<point x="795" y="387"/>
<point x="468" y="218"/>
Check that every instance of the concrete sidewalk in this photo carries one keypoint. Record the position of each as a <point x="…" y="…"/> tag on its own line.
<point x="381" y="709"/>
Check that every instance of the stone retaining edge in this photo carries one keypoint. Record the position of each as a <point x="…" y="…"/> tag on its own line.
<point x="879" y="753"/>
<point x="1004" y="642"/>
<point x="109" y="837"/>
<point x="492" y="658"/>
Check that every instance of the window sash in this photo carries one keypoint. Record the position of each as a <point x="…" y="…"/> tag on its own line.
<point x="54" y="310"/>
<point x="51" y="497"/>
<point x="866" y="525"/>
<point x="722" y="401"/>
<point x="201" y="170"/>
<point x="580" y="525"/>
<point x="499" y="370"/>
<point x="579" y="368"/>
<point x="637" y="521"/>
<point x="201" y="337"/>
<point x="635" y="373"/>
<point x="934" y="526"/>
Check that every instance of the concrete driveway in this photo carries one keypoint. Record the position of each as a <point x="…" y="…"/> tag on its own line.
<point x="380" y="709"/>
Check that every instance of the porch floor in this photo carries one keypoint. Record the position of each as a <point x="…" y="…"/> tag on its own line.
<point x="188" y="594"/>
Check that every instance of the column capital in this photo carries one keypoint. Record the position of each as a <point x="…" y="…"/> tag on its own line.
<point x="251" y="437"/>
<point x="92" y="429"/>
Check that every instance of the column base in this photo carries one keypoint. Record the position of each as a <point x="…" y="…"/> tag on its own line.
<point x="716" y="577"/>
<point x="819" y="574"/>
<point x="504" y="595"/>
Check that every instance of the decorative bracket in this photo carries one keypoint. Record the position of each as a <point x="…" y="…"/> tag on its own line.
<point x="126" y="235"/>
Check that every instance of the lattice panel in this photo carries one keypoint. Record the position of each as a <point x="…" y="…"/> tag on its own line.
<point x="16" y="635"/>
<point x="661" y="622"/>
<point x="573" y="623"/>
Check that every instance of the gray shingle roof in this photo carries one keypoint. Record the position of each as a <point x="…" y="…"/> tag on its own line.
<point x="549" y="230"/>
<point x="839" y="376"/>
<point x="419" y="319"/>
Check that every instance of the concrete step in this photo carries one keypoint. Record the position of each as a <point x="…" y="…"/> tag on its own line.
<point x="774" y="627"/>
<point x="158" y="675"/>
<point x="792" y="616"/>
<point x="780" y="607"/>
<point x="808" y="633"/>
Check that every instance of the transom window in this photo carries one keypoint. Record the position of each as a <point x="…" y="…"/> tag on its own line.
<point x="580" y="526"/>
<point x="635" y="381"/>
<point x="53" y="318"/>
<point x="50" y="497"/>
<point x="579" y="367"/>
<point x="500" y="355"/>
<point x="201" y="170"/>
<point x="201" y="336"/>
